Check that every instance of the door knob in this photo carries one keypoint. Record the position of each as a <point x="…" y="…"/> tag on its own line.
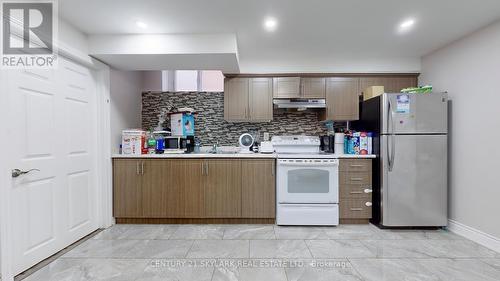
<point x="16" y="172"/>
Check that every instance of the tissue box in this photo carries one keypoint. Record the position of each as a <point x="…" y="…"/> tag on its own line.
<point x="372" y="92"/>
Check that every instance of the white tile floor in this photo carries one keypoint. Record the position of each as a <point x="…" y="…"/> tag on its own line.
<point x="267" y="252"/>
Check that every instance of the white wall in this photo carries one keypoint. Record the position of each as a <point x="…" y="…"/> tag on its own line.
<point x="469" y="69"/>
<point x="73" y="41"/>
<point x="125" y="103"/>
<point x="333" y="64"/>
<point x="152" y="80"/>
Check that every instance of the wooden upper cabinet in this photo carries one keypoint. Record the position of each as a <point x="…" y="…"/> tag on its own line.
<point x="286" y="87"/>
<point x="236" y="99"/>
<point x="392" y="84"/>
<point x="261" y="99"/>
<point x="127" y="188"/>
<point x="248" y="99"/>
<point x="258" y="188"/>
<point x="313" y="88"/>
<point x="342" y="99"/>
<point x="222" y="188"/>
<point x="398" y="83"/>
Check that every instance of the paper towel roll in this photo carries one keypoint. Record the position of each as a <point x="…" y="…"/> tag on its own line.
<point x="339" y="143"/>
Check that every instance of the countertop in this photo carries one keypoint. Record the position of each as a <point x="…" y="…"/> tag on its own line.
<point x="235" y="155"/>
<point x="199" y="155"/>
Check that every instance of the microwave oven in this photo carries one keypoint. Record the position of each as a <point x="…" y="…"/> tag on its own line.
<point x="180" y="143"/>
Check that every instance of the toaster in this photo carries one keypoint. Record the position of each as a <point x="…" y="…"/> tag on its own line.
<point x="266" y="147"/>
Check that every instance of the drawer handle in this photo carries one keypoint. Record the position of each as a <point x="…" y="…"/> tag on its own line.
<point x="356" y="192"/>
<point x="367" y="190"/>
<point x="356" y="179"/>
<point x="368" y="204"/>
<point x="356" y="165"/>
<point x="356" y="209"/>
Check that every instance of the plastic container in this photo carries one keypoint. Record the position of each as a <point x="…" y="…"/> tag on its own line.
<point x="339" y="143"/>
<point x="363" y="143"/>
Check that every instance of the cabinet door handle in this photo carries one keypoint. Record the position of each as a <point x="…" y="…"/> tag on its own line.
<point x="356" y="209"/>
<point x="202" y="168"/>
<point x="206" y="163"/>
<point x="142" y="168"/>
<point x="137" y="168"/>
<point x="356" y="179"/>
<point x="272" y="170"/>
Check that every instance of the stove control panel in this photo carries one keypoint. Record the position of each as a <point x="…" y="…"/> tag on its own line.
<point x="308" y="162"/>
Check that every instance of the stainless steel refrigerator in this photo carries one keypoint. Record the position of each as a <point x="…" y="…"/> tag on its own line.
<point x="412" y="143"/>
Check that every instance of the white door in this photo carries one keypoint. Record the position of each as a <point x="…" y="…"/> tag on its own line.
<point x="53" y="118"/>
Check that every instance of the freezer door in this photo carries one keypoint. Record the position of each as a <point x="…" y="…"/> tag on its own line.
<point x="414" y="113"/>
<point x="414" y="181"/>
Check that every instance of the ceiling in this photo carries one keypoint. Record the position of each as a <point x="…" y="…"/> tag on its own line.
<point x="312" y="35"/>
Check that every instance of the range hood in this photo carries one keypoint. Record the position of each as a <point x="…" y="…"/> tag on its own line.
<point x="299" y="103"/>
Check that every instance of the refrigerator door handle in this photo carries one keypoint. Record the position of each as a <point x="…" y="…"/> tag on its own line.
<point x="391" y="152"/>
<point x="390" y="141"/>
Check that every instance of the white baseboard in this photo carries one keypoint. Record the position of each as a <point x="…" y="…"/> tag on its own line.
<point x="485" y="239"/>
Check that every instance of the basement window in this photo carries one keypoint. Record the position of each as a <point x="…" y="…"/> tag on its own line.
<point x="192" y="80"/>
<point x="186" y="81"/>
<point x="211" y="81"/>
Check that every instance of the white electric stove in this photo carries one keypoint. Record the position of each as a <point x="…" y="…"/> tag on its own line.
<point x="307" y="186"/>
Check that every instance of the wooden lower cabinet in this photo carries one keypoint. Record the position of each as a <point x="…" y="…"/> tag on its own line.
<point x="193" y="189"/>
<point x="168" y="186"/>
<point x="127" y="192"/>
<point x="189" y="177"/>
<point x="222" y="188"/>
<point x="355" y="190"/>
<point x="258" y="189"/>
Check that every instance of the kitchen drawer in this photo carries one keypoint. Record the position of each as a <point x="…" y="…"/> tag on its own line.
<point x="358" y="178"/>
<point x="355" y="165"/>
<point x="355" y="191"/>
<point x="308" y="214"/>
<point x="355" y="209"/>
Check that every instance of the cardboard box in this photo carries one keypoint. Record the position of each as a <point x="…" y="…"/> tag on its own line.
<point x="372" y="92"/>
<point x="133" y="141"/>
<point x="182" y="124"/>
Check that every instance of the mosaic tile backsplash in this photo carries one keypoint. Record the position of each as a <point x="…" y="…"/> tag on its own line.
<point x="210" y="125"/>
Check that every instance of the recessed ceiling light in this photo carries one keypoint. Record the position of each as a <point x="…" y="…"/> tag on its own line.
<point x="141" y="24"/>
<point x="406" y="25"/>
<point x="270" y="24"/>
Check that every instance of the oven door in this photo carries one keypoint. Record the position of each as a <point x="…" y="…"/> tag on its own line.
<point x="307" y="181"/>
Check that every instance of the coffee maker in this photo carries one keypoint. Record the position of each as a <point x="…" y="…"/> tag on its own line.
<point x="327" y="143"/>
